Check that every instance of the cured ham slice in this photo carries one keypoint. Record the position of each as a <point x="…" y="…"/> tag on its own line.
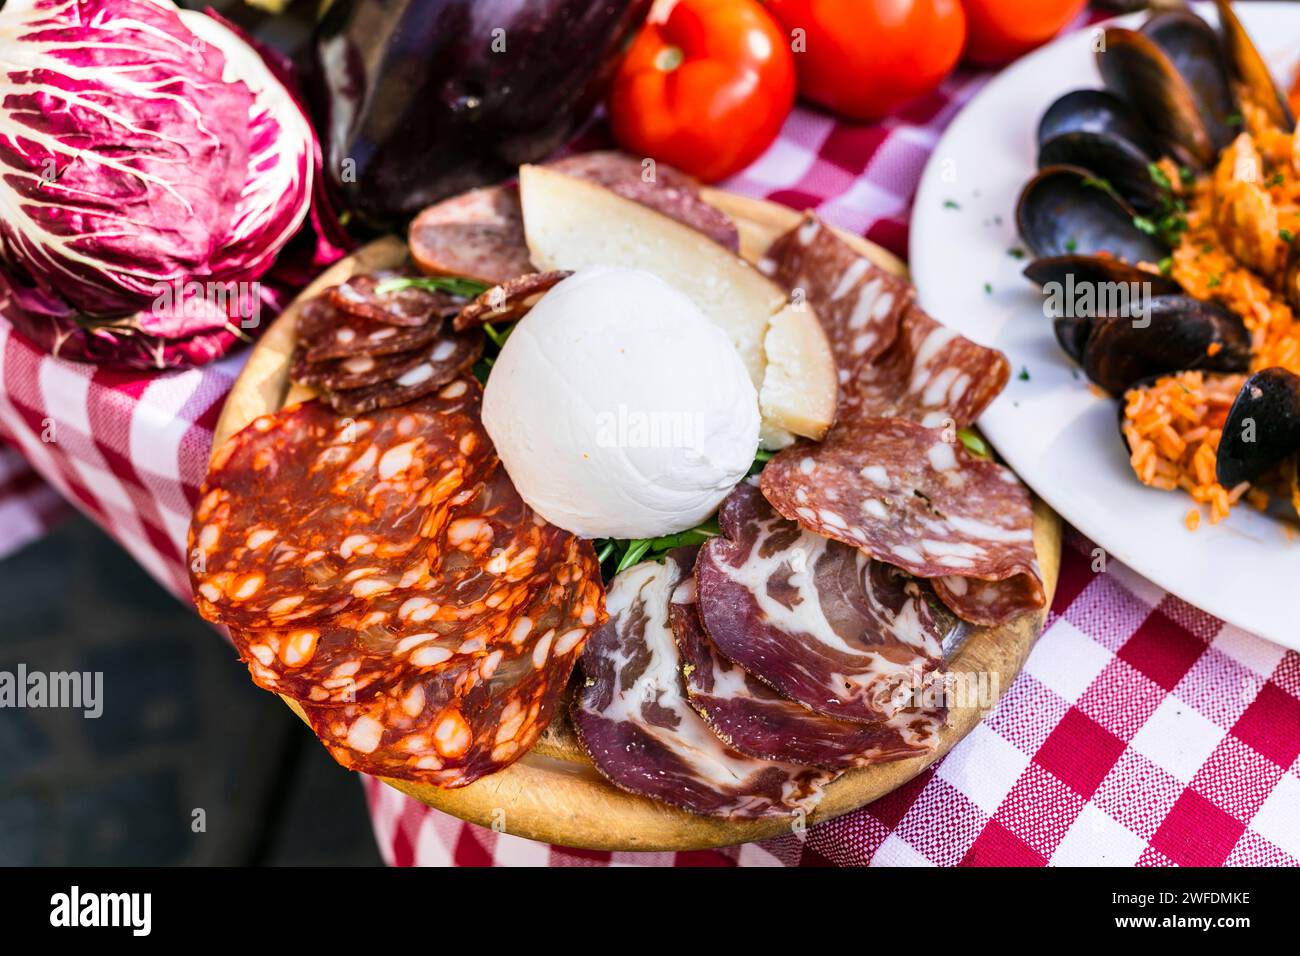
<point x="754" y="719"/>
<point x="820" y="622"/>
<point x="633" y="718"/>
<point x="905" y="495"/>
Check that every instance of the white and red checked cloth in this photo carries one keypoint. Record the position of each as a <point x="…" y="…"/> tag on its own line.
<point x="1141" y="731"/>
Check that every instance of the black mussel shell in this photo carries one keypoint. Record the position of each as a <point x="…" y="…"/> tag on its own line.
<point x="1065" y="211"/>
<point x="1117" y="161"/>
<point x="1135" y="68"/>
<point x="1262" y="428"/>
<point x="1196" y="52"/>
<point x="1095" y="111"/>
<point x="1175" y="333"/>
<point x="1251" y="71"/>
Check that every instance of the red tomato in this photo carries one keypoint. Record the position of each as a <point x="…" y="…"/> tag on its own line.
<point x="998" y="31"/>
<point x="863" y="58"/>
<point x="705" y="88"/>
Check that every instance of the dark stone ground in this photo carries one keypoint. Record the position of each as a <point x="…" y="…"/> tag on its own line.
<point x="182" y="729"/>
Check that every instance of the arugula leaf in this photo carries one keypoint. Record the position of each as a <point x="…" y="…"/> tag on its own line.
<point x="468" y="288"/>
<point x="974" y="443"/>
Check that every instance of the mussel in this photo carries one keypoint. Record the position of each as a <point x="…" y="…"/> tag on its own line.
<point x="1201" y="61"/>
<point x="1262" y="428"/>
<point x="1172" y="333"/>
<point x="1068" y="211"/>
<point x="1251" y="71"/>
<point x="1095" y="111"/>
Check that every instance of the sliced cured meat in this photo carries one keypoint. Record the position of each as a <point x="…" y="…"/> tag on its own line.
<point x="476" y="235"/>
<point x="822" y="623"/>
<point x="904" y="495"/>
<point x="990" y="602"/>
<point x="327" y="332"/>
<point x="355" y="371"/>
<point x="408" y="306"/>
<point x="443" y="359"/>
<point x="486" y="565"/>
<point x="474" y="716"/>
<point x="858" y="304"/>
<point x="509" y="301"/>
<point x="633" y="719"/>
<point x="754" y="719"/>
<point x="306" y="512"/>
<point x="666" y="190"/>
<point x="930" y="375"/>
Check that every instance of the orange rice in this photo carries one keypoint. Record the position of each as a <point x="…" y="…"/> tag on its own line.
<point x="1173" y="426"/>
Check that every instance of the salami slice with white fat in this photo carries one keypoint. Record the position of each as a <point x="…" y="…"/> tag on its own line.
<point x="858" y="304"/>
<point x="633" y="718"/>
<point x="355" y="371"/>
<point x="656" y="185"/>
<point x="907" y="496"/>
<point x="446" y="357"/>
<point x="822" y="623"/>
<point x="327" y="332"/>
<point x="477" y="235"/>
<point x="408" y="306"/>
<point x="477" y="713"/>
<point x="306" y="512"/>
<point x="509" y="301"/>
<point x="930" y="375"/>
<point x="485" y="566"/>
<point x="754" y="719"/>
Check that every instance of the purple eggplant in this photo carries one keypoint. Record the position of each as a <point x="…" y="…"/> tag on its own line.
<point x="418" y="100"/>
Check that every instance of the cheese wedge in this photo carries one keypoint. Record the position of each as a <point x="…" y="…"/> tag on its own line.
<point x="573" y="224"/>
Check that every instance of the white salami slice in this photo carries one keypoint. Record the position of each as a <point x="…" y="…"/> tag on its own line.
<point x="632" y="716"/>
<point x="754" y="719"/>
<point x="904" y="495"/>
<point x="820" y="622"/>
<point x="858" y="304"/>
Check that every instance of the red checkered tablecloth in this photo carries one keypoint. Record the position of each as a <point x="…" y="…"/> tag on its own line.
<point x="1141" y="732"/>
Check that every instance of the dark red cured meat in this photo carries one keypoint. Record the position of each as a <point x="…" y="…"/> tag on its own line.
<point x="820" y="622"/>
<point x="486" y="564"/>
<point x="930" y="375"/>
<point x="475" y="715"/>
<point x="355" y="371"/>
<point x="990" y="602"/>
<point x="905" y="495"/>
<point x="327" y="332"/>
<point x="633" y="719"/>
<point x="477" y="235"/>
<point x="754" y="719"/>
<point x="408" y="306"/>
<point x="306" y="512"/>
<point x="508" y="301"/>
<point x="670" y="191"/>
<point x="858" y="304"/>
<point x="446" y="357"/>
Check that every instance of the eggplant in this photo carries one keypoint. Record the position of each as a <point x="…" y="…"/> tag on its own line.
<point x="1262" y="428"/>
<point x="418" y="100"/>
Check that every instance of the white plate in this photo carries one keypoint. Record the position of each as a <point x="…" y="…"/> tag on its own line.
<point x="1062" y="439"/>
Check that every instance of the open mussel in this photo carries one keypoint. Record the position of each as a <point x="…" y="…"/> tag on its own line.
<point x="1067" y="211"/>
<point x="1250" y="70"/>
<point x="1198" y="55"/>
<point x="1171" y="333"/>
<point x="1262" y="428"/>
<point x="1094" y="111"/>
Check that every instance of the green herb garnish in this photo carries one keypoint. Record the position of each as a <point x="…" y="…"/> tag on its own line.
<point x="974" y="443"/>
<point x="1287" y="235"/>
<point x="1159" y="178"/>
<point x="951" y="204"/>
<point x="467" y="288"/>
<point x="1024" y="374"/>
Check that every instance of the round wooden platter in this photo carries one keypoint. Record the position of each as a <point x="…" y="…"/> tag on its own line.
<point x="554" y="793"/>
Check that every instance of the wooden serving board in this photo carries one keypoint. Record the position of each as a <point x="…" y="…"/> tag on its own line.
<point x="554" y="793"/>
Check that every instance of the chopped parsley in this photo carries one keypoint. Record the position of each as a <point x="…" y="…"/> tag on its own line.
<point x="1287" y="235"/>
<point x="988" y="288"/>
<point x="1015" y="252"/>
<point x="1024" y="374"/>
<point x="1214" y="281"/>
<point x="951" y="204"/>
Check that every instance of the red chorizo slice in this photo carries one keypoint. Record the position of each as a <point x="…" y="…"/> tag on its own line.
<point x="632" y="716"/>
<point x="858" y="304"/>
<point x="907" y="496"/>
<point x="820" y="622"/>
<point x="477" y="235"/>
<point x="475" y="715"/>
<point x="407" y="306"/>
<point x="754" y="719"/>
<point x="355" y="371"/>
<point x="326" y="332"/>
<point x="305" y="512"/>
<point x="509" y="301"/>
<point x="930" y="375"/>
<point x="446" y="357"/>
<point x="487" y="562"/>
<point x="659" y="186"/>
